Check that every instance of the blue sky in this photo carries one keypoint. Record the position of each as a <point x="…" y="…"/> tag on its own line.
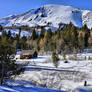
<point x="8" y="7"/>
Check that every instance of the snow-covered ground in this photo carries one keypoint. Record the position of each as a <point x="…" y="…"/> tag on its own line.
<point x="26" y="89"/>
<point x="40" y="71"/>
<point x="68" y="76"/>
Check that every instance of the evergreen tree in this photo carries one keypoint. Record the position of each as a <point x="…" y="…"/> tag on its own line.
<point x="17" y="39"/>
<point x="47" y="40"/>
<point x="55" y="59"/>
<point x="9" y="33"/>
<point x="8" y="67"/>
<point x="1" y="28"/>
<point x="22" y="43"/>
<point x="81" y="41"/>
<point x="19" y="32"/>
<point x="42" y="33"/>
<point x="87" y="34"/>
<point x="70" y="36"/>
<point x="34" y="35"/>
<point x="58" y="34"/>
<point x="4" y="34"/>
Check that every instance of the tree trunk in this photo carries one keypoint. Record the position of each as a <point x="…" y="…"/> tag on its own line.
<point x="2" y="74"/>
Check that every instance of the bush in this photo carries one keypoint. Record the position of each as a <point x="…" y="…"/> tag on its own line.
<point x="89" y="58"/>
<point x="55" y="59"/>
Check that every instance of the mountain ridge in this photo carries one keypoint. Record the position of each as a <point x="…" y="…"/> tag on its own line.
<point x="50" y="14"/>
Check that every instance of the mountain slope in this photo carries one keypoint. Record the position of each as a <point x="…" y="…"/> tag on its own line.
<point x="52" y="15"/>
<point x="4" y="21"/>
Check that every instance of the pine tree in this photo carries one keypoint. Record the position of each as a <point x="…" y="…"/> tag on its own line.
<point x="42" y="33"/>
<point x="58" y="34"/>
<point x="17" y="40"/>
<point x="47" y="40"/>
<point x="87" y="34"/>
<point x="9" y="33"/>
<point x="22" y="43"/>
<point x="70" y="36"/>
<point x="55" y="59"/>
<point x="19" y="32"/>
<point x="34" y="35"/>
<point x="8" y="67"/>
<point x="81" y="41"/>
<point x="1" y="28"/>
<point x="4" y="34"/>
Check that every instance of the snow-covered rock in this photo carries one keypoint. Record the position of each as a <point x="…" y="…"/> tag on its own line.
<point x="50" y="14"/>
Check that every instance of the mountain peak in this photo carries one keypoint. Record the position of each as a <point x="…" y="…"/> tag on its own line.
<point x="51" y="13"/>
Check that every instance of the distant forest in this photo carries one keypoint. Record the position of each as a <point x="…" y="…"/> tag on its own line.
<point x="68" y="39"/>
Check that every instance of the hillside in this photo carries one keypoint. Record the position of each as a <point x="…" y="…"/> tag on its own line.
<point x="50" y="15"/>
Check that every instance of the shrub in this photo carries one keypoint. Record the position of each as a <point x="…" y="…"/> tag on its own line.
<point x="55" y="59"/>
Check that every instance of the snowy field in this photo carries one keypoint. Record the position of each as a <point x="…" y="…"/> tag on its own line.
<point x="41" y="72"/>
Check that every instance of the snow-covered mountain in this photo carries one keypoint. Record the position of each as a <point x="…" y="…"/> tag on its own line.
<point x="50" y="14"/>
<point x="7" y="19"/>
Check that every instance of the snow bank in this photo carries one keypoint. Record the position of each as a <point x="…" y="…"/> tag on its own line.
<point x="26" y="89"/>
<point x="85" y="89"/>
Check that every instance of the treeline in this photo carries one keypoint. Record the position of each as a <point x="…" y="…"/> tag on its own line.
<point x="68" y="39"/>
